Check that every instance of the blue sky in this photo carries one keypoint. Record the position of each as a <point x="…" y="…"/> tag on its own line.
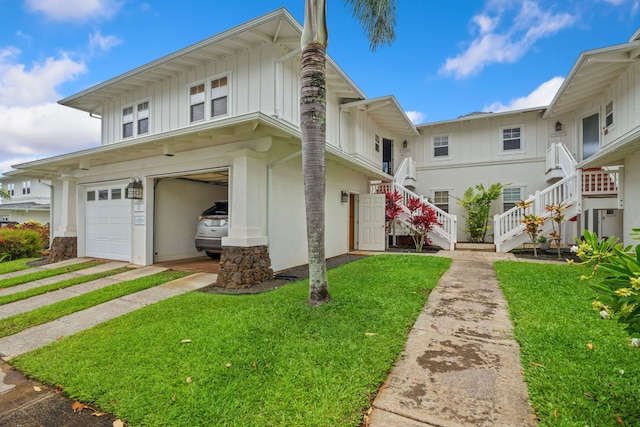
<point x="450" y="57"/>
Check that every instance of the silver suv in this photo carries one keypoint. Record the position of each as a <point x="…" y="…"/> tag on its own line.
<point x="212" y="226"/>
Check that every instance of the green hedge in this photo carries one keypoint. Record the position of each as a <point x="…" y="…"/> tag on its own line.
<point x="16" y="243"/>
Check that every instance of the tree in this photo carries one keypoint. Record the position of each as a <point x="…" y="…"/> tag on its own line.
<point x="532" y="224"/>
<point x="378" y="20"/>
<point x="5" y="194"/>
<point x="422" y="219"/>
<point x="478" y="205"/>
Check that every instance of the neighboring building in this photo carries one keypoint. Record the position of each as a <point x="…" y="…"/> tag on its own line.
<point x="30" y="199"/>
<point x="220" y="120"/>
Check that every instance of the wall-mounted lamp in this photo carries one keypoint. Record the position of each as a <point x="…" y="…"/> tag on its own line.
<point x="558" y="126"/>
<point x="344" y="196"/>
<point x="404" y="144"/>
<point x="134" y="189"/>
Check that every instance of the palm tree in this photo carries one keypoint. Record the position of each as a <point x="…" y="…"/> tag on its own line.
<point x="4" y="194"/>
<point x="378" y="21"/>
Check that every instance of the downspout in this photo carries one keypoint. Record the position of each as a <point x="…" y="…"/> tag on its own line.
<point x="276" y="83"/>
<point x="269" y="179"/>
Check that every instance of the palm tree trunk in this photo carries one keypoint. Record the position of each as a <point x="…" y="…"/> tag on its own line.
<point x="313" y="130"/>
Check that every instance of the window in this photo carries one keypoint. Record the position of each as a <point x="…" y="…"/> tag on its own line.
<point x="12" y="189"/>
<point x="138" y="114"/>
<point x="91" y="196"/>
<point x="511" y="139"/>
<point x="103" y="194"/>
<point x="116" y="193"/>
<point x="196" y="102"/>
<point x="510" y="195"/>
<point x="143" y="118"/>
<point x="441" y="146"/>
<point x="127" y="122"/>
<point x="608" y="119"/>
<point x="441" y="199"/>
<point x="26" y="188"/>
<point x="219" y="93"/>
<point x="377" y="144"/>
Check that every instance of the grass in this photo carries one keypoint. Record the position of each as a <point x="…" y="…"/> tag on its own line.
<point x="20" y="322"/>
<point x="43" y="274"/>
<point x="569" y="383"/>
<point x="267" y="359"/>
<point x="19" y="296"/>
<point x="16" y="265"/>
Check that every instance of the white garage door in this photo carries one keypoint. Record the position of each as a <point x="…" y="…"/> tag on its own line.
<point x="108" y="223"/>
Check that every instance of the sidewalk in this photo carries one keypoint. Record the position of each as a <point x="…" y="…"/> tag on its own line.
<point x="461" y="365"/>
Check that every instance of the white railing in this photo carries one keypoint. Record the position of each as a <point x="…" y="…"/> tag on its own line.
<point x="447" y="225"/>
<point x="407" y="170"/>
<point x="559" y="157"/>
<point x="600" y="183"/>
<point x="508" y="225"/>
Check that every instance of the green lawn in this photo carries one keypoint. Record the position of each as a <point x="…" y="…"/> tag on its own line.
<point x="252" y="360"/>
<point x="43" y="274"/>
<point x="20" y="322"/>
<point x="569" y="383"/>
<point x="16" y="265"/>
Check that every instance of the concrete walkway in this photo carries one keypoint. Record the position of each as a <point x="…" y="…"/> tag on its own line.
<point x="461" y="365"/>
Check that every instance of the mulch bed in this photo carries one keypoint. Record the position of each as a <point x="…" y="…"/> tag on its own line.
<point x="547" y="255"/>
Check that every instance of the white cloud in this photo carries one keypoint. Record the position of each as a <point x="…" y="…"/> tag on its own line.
<point x="75" y="10"/>
<point x="541" y="96"/>
<point x="32" y="124"/>
<point x="416" y="117"/>
<point x="505" y="45"/>
<point x="104" y="43"/>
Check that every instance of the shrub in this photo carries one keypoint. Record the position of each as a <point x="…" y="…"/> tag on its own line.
<point x="16" y="243"/>
<point x="478" y="205"/>
<point x="42" y="230"/>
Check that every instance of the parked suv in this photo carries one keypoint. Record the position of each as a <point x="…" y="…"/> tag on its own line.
<point x="212" y="226"/>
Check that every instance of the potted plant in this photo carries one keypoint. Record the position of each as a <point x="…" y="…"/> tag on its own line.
<point x="544" y="243"/>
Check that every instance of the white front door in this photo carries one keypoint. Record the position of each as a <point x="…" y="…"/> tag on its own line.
<point x="372" y="215"/>
<point x="108" y="223"/>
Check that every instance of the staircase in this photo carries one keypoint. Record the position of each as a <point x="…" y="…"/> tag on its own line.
<point x="444" y="233"/>
<point x="575" y="186"/>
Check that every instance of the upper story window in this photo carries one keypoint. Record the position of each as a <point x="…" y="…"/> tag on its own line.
<point x="209" y="99"/>
<point x="135" y="120"/>
<point x="608" y="117"/>
<point x="441" y="146"/>
<point x="511" y="139"/>
<point x="510" y="195"/>
<point x="12" y="189"/>
<point x="26" y="188"/>
<point x="219" y="95"/>
<point x="377" y="143"/>
<point x="441" y="199"/>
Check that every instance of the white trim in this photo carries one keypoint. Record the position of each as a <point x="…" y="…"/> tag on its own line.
<point x="433" y="147"/>
<point x="520" y="150"/>
<point x="207" y="97"/>
<point x="134" y="123"/>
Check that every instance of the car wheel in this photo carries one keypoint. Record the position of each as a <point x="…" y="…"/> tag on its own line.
<point x="213" y="255"/>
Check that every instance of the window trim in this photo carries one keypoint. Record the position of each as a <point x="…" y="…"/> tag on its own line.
<point x="208" y="98"/>
<point x="608" y="114"/>
<point x="135" y="118"/>
<point x="521" y="149"/>
<point x="521" y="197"/>
<point x="433" y="146"/>
<point x="438" y="190"/>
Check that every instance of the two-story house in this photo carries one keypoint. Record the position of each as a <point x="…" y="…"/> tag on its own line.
<point x="30" y="199"/>
<point x="219" y="120"/>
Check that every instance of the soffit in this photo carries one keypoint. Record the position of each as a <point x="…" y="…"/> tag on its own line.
<point x="591" y="76"/>
<point x="386" y="112"/>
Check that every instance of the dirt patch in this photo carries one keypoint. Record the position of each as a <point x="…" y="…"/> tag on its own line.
<point x="547" y="255"/>
<point x="283" y="278"/>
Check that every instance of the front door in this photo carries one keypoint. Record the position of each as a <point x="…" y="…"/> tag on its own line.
<point x="372" y="218"/>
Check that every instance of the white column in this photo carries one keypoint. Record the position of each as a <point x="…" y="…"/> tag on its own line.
<point x="67" y="191"/>
<point x="248" y="200"/>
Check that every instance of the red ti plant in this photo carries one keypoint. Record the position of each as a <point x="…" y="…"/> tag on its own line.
<point x="392" y="208"/>
<point x="422" y="218"/>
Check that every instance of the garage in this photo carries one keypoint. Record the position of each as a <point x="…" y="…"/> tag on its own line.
<point x="179" y="201"/>
<point x="108" y="222"/>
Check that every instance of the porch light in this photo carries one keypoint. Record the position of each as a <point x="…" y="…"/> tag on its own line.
<point x="404" y="144"/>
<point x="344" y="196"/>
<point x="134" y="189"/>
<point x="558" y="126"/>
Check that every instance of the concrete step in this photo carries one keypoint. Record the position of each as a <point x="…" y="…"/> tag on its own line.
<point x="479" y="247"/>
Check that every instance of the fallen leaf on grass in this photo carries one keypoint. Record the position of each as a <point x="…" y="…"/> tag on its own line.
<point x="98" y="414"/>
<point x="60" y="337"/>
<point x="118" y="423"/>
<point x="555" y="413"/>
<point x="36" y="388"/>
<point x="186" y="340"/>
<point x="537" y="364"/>
<point x="591" y="396"/>
<point x="618" y="419"/>
<point x="228" y="365"/>
<point x="173" y="398"/>
<point x="254" y="365"/>
<point x="369" y="334"/>
<point x="590" y="346"/>
<point x="189" y="380"/>
<point x="79" y="407"/>
<point x="58" y="389"/>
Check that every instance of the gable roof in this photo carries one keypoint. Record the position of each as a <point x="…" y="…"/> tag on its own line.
<point x="386" y="112"/>
<point x="278" y="26"/>
<point x="591" y="75"/>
